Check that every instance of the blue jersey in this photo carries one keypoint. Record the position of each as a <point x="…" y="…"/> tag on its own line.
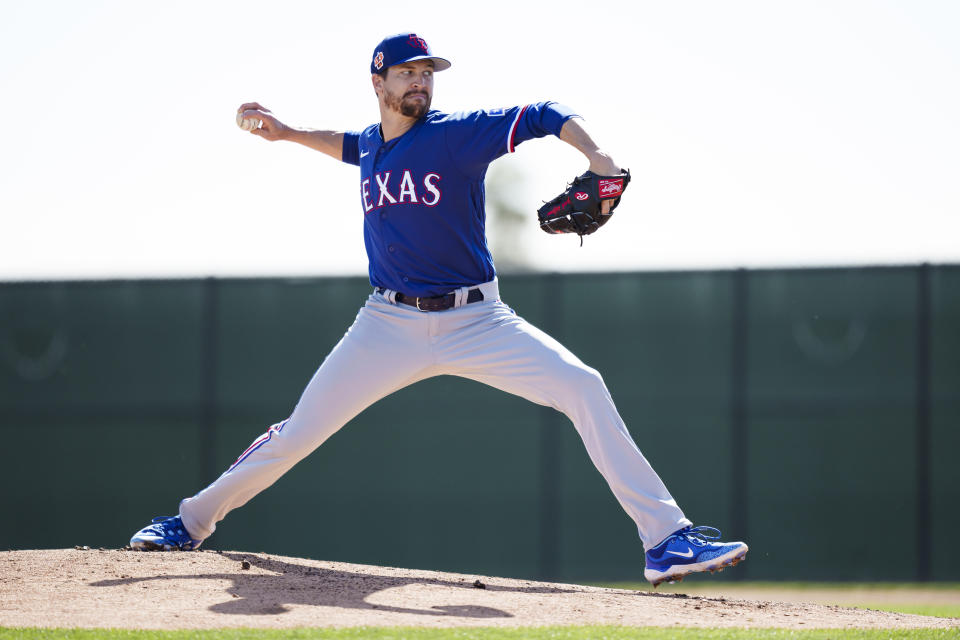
<point x="423" y="197"/>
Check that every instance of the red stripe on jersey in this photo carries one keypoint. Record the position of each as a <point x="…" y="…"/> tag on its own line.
<point x="513" y="130"/>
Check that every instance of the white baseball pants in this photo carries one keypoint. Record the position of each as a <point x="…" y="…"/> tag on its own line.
<point x="390" y="346"/>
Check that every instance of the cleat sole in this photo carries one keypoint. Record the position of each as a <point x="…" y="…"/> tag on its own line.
<point x="678" y="577"/>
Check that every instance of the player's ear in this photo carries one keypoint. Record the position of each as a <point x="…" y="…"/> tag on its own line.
<point x="377" y="81"/>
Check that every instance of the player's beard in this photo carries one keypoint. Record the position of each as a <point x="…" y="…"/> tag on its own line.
<point x="406" y="105"/>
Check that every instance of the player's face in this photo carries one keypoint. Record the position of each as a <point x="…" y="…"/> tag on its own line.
<point x="408" y="88"/>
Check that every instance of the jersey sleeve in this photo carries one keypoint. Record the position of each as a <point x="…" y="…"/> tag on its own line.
<point x="477" y="138"/>
<point x="351" y="148"/>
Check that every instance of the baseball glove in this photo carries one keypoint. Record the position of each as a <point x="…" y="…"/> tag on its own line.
<point x="577" y="209"/>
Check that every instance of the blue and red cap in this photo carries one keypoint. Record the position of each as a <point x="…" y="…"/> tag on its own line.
<point x="404" y="47"/>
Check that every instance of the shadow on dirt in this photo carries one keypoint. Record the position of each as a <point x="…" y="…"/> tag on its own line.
<point x="290" y="583"/>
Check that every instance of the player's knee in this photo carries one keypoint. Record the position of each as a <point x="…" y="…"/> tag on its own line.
<point x="583" y="381"/>
<point x="593" y="381"/>
<point x="281" y="441"/>
<point x="297" y="438"/>
<point x="279" y="447"/>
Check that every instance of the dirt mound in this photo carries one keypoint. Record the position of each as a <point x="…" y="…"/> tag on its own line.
<point x="213" y="589"/>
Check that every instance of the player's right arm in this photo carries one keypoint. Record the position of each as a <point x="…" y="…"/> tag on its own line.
<point x="328" y="142"/>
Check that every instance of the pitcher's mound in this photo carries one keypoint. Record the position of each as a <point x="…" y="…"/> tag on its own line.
<point x="212" y="589"/>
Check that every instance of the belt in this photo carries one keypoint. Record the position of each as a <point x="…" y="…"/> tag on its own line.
<point x="436" y="303"/>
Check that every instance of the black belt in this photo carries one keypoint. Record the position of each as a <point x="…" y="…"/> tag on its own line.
<point x="436" y="303"/>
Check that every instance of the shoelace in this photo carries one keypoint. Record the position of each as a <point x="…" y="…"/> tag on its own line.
<point x="700" y="535"/>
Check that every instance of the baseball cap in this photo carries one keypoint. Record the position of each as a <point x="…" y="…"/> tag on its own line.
<point x="404" y="47"/>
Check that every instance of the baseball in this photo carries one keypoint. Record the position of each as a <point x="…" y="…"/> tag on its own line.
<point x="247" y="124"/>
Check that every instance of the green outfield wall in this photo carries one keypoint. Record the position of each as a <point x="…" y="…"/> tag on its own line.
<point x="814" y="413"/>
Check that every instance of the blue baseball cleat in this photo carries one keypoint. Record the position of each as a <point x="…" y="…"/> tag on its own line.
<point x="167" y="533"/>
<point x="688" y="551"/>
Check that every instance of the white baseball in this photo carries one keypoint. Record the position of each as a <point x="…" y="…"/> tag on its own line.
<point x="248" y="123"/>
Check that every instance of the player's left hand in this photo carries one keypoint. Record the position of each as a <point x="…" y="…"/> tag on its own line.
<point x="586" y="205"/>
<point x="603" y="165"/>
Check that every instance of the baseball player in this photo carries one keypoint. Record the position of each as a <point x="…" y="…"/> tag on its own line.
<point x="435" y="308"/>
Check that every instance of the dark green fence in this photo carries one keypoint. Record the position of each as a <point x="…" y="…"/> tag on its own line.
<point x="814" y="413"/>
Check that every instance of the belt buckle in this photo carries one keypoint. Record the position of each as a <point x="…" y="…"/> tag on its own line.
<point x="418" y="305"/>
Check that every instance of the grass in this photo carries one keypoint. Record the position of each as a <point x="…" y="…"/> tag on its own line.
<point x="483" y="633"/>
<point x="935" y="610"/>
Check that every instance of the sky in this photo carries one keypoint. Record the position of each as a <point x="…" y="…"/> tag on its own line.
<point x="758" y="133"/>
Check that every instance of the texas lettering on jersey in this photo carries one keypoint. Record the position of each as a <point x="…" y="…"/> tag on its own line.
<point x="386" y="190"/>
<point x="422" y="193"/>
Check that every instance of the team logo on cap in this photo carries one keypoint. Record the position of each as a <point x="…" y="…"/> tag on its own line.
<point x="418" y="42"/>
<point x="378" y="60"/>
